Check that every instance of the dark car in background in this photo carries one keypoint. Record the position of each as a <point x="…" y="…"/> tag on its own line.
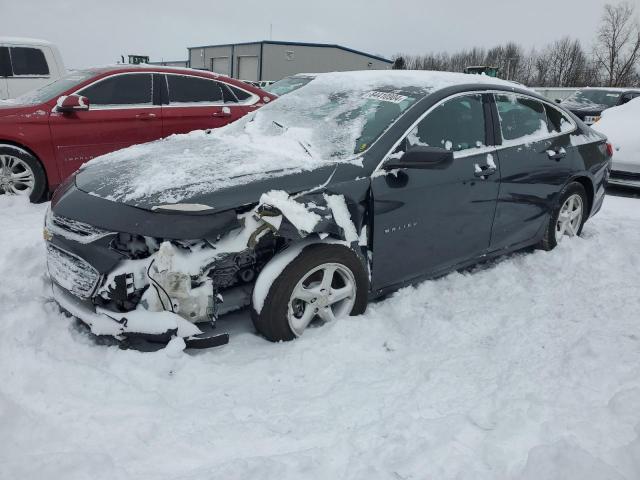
<point x="589" y="103"/>
<point x="46" y="134"/>
<point x="350" y="187"/>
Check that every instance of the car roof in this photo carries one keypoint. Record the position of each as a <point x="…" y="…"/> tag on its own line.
<point x="126" y="68"/>
<point x="408" y="80"/>
<point x="612" y="89"/>
<point x="24" y="41"/>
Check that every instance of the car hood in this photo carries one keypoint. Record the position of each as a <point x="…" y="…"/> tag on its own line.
<point x="583" y="107"/>
<point x="204" y="170"/>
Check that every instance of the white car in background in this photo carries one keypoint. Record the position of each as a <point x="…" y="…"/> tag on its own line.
<point x="27" y="64"/>
<point x="622" y="126"/>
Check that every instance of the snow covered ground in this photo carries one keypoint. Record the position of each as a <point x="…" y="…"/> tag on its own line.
<point x="528" y="368"/>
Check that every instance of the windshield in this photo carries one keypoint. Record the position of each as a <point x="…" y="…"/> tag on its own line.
<point x="331" y="124"/>
<point x="589" y="97"/>
<point x="288" y="84"/>
<point x="54" y="89"/>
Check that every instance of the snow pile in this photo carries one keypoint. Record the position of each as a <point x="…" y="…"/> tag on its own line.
<point x="527" y="368"/>
<point x="622" y="125"/>
<point x="320" y="123"/>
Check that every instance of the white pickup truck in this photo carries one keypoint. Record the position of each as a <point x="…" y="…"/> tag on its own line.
<point x="26" y="64"/>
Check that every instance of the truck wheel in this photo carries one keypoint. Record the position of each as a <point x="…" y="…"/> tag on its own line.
<point x="21" y="174"/>
<point x="325" y="282"/>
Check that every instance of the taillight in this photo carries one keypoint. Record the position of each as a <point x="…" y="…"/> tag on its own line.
<point x="609" y="150"/>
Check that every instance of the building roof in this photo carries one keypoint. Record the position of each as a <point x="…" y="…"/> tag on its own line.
<point x="299" y="44"/>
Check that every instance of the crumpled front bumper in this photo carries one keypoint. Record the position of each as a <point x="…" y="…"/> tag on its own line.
<point x="126" y="327"/>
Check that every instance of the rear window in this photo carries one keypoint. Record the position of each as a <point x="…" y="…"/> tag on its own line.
<point x="28" y="61"/>
<point x="241" y="95"/>
<point x="184" y="89"/>
<point x="558" y="121"/>
<point x="5" y="62"/>
<point x="521" y="117"/>
<point x="129" y="89"/>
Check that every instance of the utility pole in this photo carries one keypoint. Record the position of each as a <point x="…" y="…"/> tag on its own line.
<point x="271" y="31"/>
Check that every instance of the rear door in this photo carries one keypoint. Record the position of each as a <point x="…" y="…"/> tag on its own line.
<point x="121" y="113"/>
<point x="536" y="160"/>
<point x="5" y="71"/>
<point x="196" y="103"/>
<point x="429" y="220"/>
<point x="30" y="70"/>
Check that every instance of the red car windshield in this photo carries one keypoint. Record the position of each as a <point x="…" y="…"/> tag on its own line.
<point x="55" y="89"/>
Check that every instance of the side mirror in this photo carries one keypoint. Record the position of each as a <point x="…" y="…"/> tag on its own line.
<point x="422" y="157"/>
<point x="72" y="103"/>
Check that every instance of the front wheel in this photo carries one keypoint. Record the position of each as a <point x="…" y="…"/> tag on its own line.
<point x="323" y="283"/>
<point x="569" y="216"/>
<point x="21" y="174"/>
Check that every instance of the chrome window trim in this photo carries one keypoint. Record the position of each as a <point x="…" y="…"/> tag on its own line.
<point x="253" y="99"/>
<point x="517" y="142"/>
<point x="422" y="117"/>
<point x="486" y="148"/>
<point x="124" y="106"/>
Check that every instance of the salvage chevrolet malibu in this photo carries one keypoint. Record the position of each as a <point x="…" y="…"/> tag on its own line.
<point x="350" y="187"/>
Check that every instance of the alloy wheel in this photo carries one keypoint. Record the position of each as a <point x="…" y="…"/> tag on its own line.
<point x="326" y="292"/>
<point x="16" y="176"/>
<point x="570" y="217"/>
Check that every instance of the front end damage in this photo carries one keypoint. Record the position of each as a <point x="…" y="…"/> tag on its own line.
<point x="142" y="289"/>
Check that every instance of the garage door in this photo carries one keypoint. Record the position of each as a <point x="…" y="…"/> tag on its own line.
<point x="248" y="68"/>
<point x="220" y="65"/>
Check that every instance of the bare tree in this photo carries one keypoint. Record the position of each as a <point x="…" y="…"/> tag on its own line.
<point x="562" y="64"/>
<point x="617" y="48"/>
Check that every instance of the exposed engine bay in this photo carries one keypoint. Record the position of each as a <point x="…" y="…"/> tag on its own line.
<point x="197" y="280"/>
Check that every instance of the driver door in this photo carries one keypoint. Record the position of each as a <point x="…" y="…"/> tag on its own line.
<point x="121" y="113"/>
<point x="429" y="220"/>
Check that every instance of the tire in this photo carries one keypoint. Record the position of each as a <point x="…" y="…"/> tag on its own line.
<point x="283" y="318"/>
<point x="572" y="190"/>
<point x="32" y="178"/>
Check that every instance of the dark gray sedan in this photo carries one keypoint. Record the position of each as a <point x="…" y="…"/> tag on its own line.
<point x="350" y="187"/>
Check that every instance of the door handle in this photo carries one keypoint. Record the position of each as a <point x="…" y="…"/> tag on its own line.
<point x="146" y="116"/>
<point x="225" y="112"/>
<point x="557" y="155"/>
<point x="484" y="170"/>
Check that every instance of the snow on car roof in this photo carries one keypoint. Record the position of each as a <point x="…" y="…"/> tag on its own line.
<point x="322" y="123"/>
<point x="24" y="41"/>
<point x="612" y="89"/>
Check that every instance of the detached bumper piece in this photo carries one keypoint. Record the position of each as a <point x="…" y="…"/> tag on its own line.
<point x="125" y="328"/>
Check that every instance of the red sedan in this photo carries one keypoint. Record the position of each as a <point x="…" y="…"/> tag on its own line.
<point x="47" y="134"/>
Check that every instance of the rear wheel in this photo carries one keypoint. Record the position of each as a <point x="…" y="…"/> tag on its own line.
<point x="325" y="282"/>
<point x="21" y="174"/>
<point x="568" y="218"/>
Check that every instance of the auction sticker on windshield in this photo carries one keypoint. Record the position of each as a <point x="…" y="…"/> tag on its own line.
<point x="385" y="96"/>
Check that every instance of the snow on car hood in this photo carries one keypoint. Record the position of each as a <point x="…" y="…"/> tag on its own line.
<point x="621" y="126"/>
<point x="583" y="107"/>
<point x="330" y="120"/>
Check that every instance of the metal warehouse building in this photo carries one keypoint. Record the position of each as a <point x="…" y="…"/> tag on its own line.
<point x="271" y="60"/>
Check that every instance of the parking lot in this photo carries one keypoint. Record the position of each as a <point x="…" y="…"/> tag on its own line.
<point x="515" y="369"/>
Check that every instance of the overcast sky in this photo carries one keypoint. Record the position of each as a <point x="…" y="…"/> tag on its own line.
<point x="92" y="32"/>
